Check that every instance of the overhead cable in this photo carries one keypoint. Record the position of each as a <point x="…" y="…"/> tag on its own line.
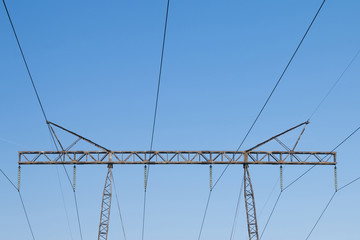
<point x="24" y="59"/>
<point x="64" y="204"/>
<point x="317" y="108"/>
<point x="269" y="196"/>
<point x="321" y="215"/>
<point x="119" y="210"/>
<point x="155" y="115"/>
<point x="26" y="215"/>
<point x="327" y="205"/>
<point x="34" y="88"/>
<point x="233" y="229"/>
<point x="77" y="214"/>
<point x="303" y="174"/>
<point x="271" y="213"/>
<point x="28" y="69"/>
<point x="3" y="173"/>
<point x="308" y="170"/>
<point x="276" y="85"/>
<point x="351" y="182"/>
<point x="204" y="216"/>
<point x="282" y="74"/>
<point x="22" y="203"/>
<point x="272" y="92"/>
<point x="334" y="84"/>
<point x="62" y="194"/>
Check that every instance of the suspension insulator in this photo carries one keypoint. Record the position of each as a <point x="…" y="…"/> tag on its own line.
<point x="336" y="182"/>
<point x="211" y="185"/>
<point x="74" y="178"/>
<point x="145" y="177"/>
<point x="281" y="178"/>
<point x="19" y="177"/>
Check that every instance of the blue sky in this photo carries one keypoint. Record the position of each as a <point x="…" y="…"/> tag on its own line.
<point x="95" y="65"/>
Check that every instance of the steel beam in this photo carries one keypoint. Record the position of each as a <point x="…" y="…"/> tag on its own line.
<point x="178" y="157"/>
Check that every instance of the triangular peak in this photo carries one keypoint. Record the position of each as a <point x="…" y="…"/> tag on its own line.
<point x="66" y="139"/>
<point x="276" y="138"/>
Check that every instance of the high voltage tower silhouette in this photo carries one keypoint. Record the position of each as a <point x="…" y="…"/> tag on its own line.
<point x="65" y="155"/>
<point x="110" y="158"/>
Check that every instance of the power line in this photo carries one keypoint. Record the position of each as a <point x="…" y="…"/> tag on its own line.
<point x="334" y="85"/>
<point x="268" y="198"/>
<point x="351" y="182"/>
<point x="3" y="173"/>
<point x="318" y="106"/>
<point x="321" y="215"/>
<point x="341" y="143"/>
<point x="26" y="215"/>
<point x="237" y="210"/>
<point x="25" y="62"/>
<point x="272" y="92"/>
<point x="160" y="73"/>
<point x="273" y="209"/>
<point x="327" y="205"/>
<point x="64" y="204"/>
<point x="276" y="85"/>
<point x="36" y="92"/>
<point x="72" y="185"/>
<point x="204" y="216"/>
<point x="77" y="213"/>
<point x="303" y="174"/>
<point x="155" y="114"/>
<point x="282" y="74"/>
<point x="143" y="220"/>
<point x="271" y="214"/>
<point x="28" y="70"/>
<point x="22" y="203"/>
<point x="61" y="190"/>
<point x="316" y="109"/>
<point x="118" y="206"/>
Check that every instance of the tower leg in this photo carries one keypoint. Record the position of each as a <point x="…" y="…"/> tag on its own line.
<point x="250" y="205"/>
<point x="105" y="206"/>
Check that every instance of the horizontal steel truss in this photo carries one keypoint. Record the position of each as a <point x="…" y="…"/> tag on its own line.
<point x="178" y="157"/>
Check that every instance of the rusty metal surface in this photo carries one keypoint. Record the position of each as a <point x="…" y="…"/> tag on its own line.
<point x="105" y="207"/>
<point x="280" y="134"/>
<point x="178" y="157"/>
<point x="250" y="206"/>
<point x="75" y="134"/>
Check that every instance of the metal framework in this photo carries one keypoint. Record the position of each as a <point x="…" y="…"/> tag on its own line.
<point x="250" y="205"/>
<point x="106" y="206"/>
<point x="178" y="157"/>
<point x="106" y="156"/>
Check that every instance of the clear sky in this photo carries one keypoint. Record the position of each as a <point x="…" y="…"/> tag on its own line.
<point x="95" y="64"/>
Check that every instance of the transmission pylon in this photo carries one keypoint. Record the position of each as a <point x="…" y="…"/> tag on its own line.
<point x="246" y="158"/>
<point x="250" y="205"/>
<point x="106" y="206"/>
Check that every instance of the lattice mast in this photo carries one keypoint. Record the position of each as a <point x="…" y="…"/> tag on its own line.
<point x="250" y="205"/>
<point x="106" y="206"/>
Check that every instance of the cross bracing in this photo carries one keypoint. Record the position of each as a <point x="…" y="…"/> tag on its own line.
<point x="178" y="157"/>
